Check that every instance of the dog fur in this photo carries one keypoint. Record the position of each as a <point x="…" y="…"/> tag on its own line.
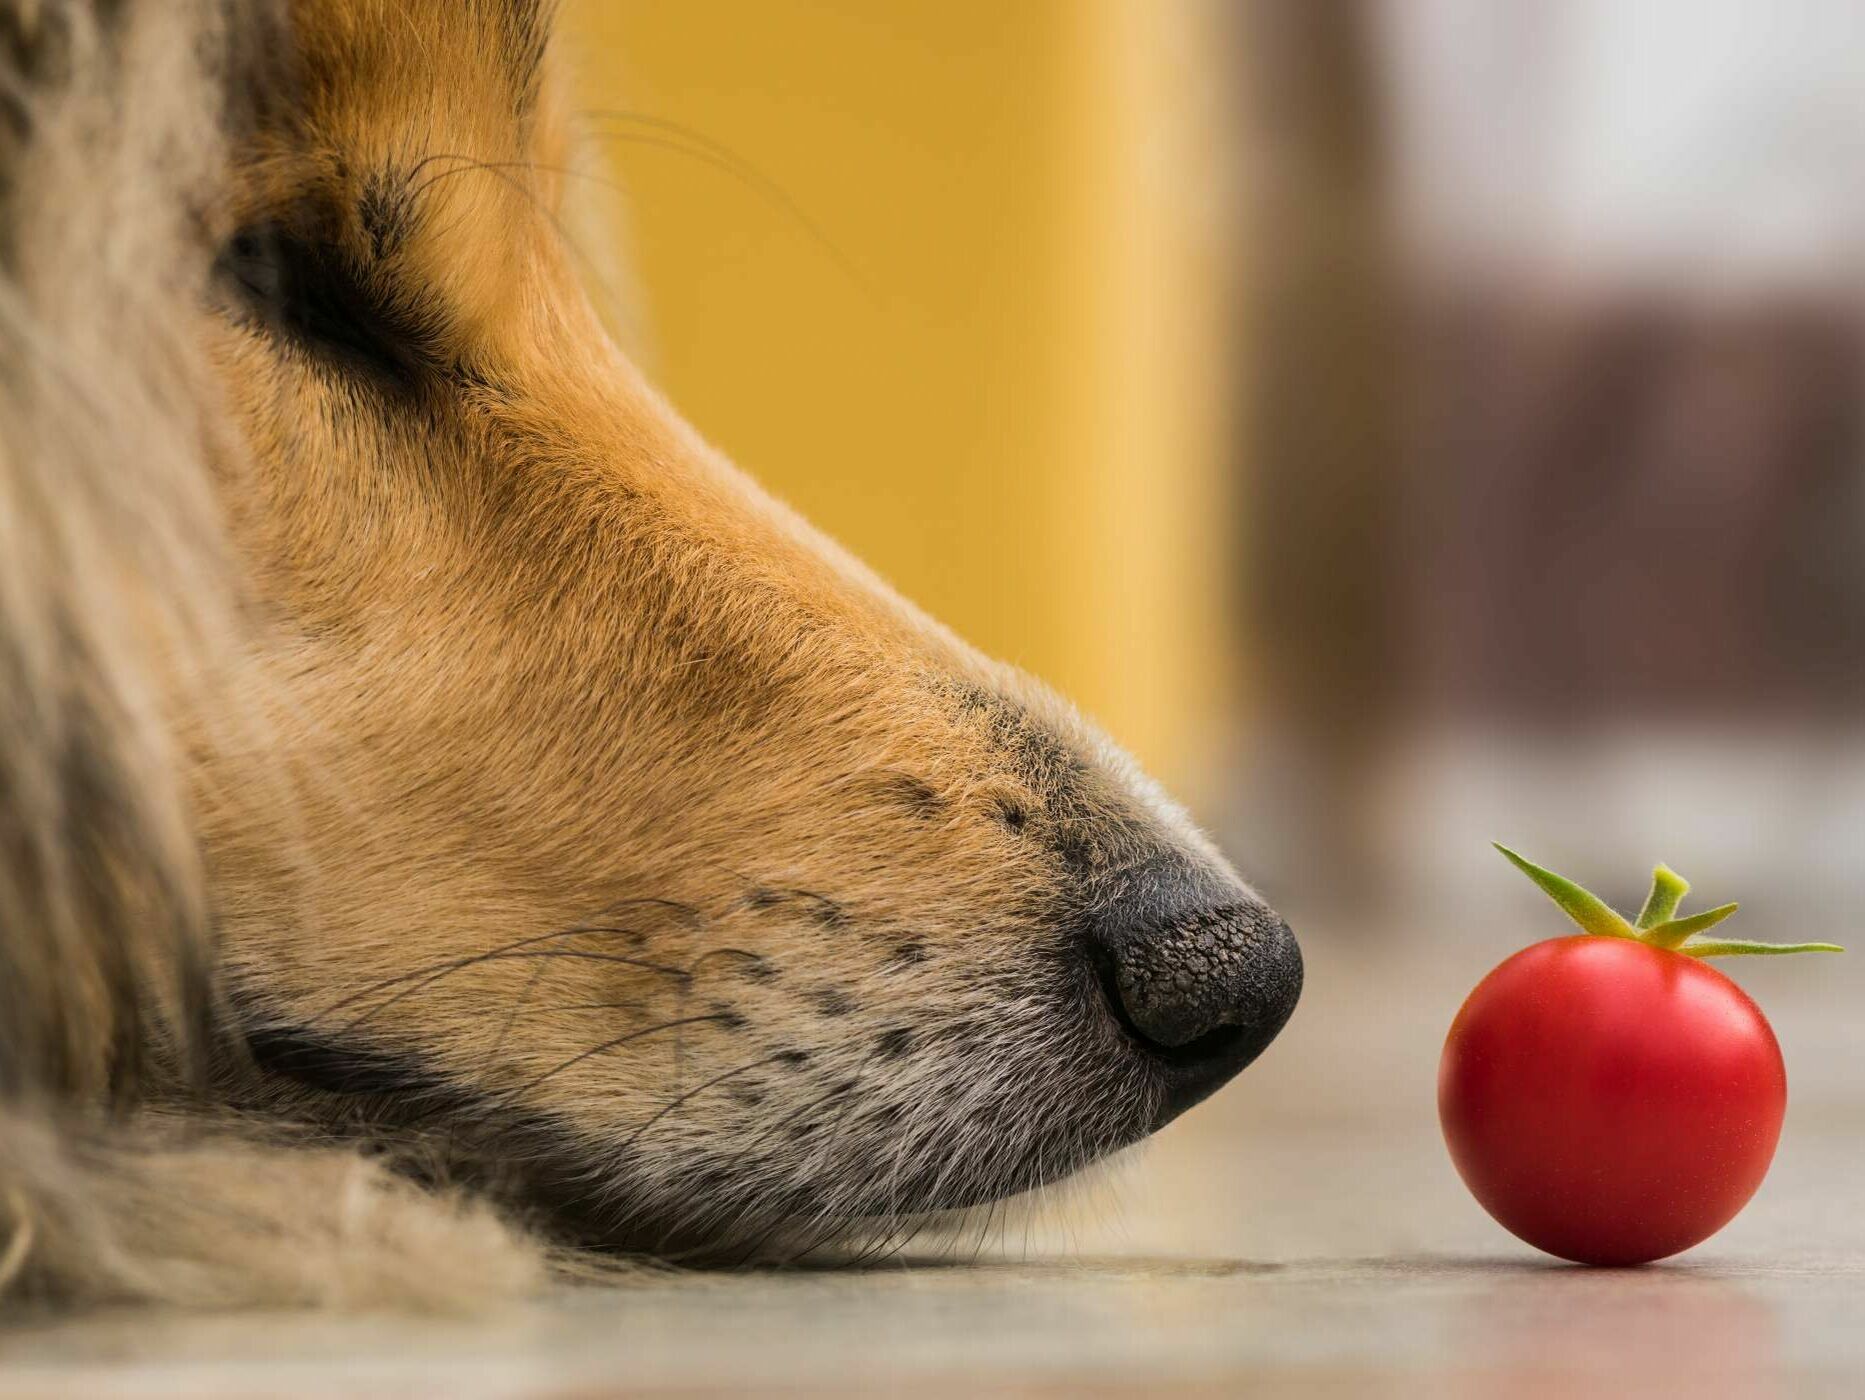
<point x="449" y="817"/>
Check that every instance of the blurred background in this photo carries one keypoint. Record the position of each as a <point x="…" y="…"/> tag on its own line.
<point x="1400" y="423"/>
<point x="1403" y="424"/>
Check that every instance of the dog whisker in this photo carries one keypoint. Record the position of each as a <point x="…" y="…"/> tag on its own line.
<point x="605" y="1046"/>
<point x="424" y="977"/>
<point x="676" y="1102"/>
<point x="555" y="1007"/>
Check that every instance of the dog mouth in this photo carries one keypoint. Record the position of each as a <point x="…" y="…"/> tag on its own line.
<point x="1028" y="1075"/>
<point x="881" y="1162"/>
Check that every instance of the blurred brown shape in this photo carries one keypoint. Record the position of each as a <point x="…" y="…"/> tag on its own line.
<point x="1639" y="507"/>
<point x="1323" y="443"/>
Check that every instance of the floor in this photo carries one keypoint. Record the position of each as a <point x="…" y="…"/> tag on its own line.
<point x="1301" y="1234"/>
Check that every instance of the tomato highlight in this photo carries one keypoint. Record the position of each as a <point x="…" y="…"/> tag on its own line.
<point x="1608" y="1096"/>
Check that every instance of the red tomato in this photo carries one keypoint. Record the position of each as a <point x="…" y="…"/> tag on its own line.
<point x="1608" y="1101"/>
<point x="1610" y="1097"/>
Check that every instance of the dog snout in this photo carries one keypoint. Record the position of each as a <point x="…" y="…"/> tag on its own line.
<point x="1202" y="975"/>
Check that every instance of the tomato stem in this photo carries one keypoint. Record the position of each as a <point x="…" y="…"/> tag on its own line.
<point x="1668" y="889"/>
<point x="1657" y="925"/>
<point x="1672" y="932"/>
<point x="1747" y="948"/>
<point x="1584" y="907"/>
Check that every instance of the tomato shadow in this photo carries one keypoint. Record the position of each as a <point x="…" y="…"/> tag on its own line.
<point x="1655" y="1324"/>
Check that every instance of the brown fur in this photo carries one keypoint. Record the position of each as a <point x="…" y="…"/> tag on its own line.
<point x="563" y="818"/>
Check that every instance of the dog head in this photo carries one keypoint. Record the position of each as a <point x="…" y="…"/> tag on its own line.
<point x="608" y="821"/>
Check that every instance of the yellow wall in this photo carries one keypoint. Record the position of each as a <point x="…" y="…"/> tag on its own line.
<point x="942" y="274"/>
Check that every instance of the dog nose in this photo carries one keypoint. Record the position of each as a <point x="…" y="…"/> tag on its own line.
<point x="1202" y="975"/>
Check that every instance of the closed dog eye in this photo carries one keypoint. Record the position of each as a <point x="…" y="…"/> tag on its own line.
<point x="310" y="293"/>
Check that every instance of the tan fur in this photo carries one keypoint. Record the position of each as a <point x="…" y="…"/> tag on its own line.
<point x="572" y="821"/>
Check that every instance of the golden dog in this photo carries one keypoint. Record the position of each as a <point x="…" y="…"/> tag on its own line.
<point x="449" y="815"/>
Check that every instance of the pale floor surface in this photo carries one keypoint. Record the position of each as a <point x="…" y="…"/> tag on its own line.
<point x="1302" y="1234"/>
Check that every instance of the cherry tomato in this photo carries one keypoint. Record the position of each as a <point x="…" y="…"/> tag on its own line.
<point x="1608" y="1097"/>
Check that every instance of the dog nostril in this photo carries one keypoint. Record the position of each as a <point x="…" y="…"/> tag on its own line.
<point x="1203" y="989"/>
<point x="1217" y="1042"/>
<point x="1225" y="969"/>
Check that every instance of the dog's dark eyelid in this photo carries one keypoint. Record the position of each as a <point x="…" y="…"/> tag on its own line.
<point x="249" y="262"/>
<point x="306" y="290"/>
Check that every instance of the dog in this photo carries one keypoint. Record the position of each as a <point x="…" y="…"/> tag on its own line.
<point x="453" y="825"/>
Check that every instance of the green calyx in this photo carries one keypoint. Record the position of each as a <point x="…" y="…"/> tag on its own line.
<point x="1657" y="924"/>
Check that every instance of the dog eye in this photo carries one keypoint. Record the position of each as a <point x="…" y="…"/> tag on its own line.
<point x="309" y="293"/>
